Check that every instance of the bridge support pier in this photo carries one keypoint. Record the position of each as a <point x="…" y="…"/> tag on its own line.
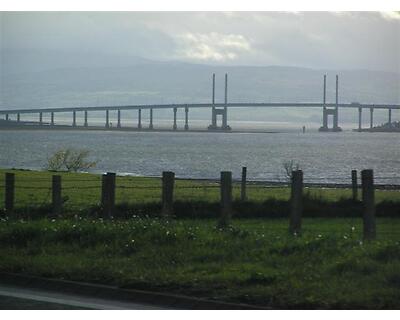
<point x="18" y="117"/>
<point x="119" y="119"/>
<point x="213" y="118"/>
<point x="139" y="119"/>
<point x="225" y="118"/>
<point x="52" y="119"/>
<point x="186" y="118"/>
<point x="107" y="119"/>
<point x="174" y="127"/>
<point x="336" y="120"/>
<point x="371" y="118"/>
<point x="151" y="120"/>
<point x="40" y="118"/>
<point x="390" y="116"/>
<point x="325" y="119"/>
<point x="74" y="118"/>
<point x="86" y="119"/>
<point x="359" y="119"/>
<point x="223" y="112"/>
<point x="7" y="117"/>
<point x="333" y="112"/>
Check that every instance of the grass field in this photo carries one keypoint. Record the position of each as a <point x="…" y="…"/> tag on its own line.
<point x="83" y="190"/>
<point x="255" y="261"/>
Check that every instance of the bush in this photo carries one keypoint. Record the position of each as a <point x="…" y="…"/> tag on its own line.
<point x="289" y="167"/>
<point x="71" y="160"/>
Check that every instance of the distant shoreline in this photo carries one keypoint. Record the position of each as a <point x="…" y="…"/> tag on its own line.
<point x="130" y="129"/>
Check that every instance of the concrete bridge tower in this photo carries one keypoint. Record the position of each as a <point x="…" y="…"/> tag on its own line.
<point x="221" y="111"/>
<point x="326" y="112"/>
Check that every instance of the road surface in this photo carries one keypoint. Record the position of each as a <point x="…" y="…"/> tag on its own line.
<point x="13" y="297"/>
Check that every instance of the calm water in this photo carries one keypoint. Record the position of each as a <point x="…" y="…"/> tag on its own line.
<point x="325" y="157"/>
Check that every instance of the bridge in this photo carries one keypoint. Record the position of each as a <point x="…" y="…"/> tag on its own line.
<point x="217" y="109"/>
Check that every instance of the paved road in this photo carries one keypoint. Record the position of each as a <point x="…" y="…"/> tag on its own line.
<point x="23" y="298"/>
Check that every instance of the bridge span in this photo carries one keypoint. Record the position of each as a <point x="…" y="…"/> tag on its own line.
<point x="217" y="109"/>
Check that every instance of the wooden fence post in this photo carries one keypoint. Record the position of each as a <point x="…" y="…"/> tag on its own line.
<point x="226" y="199"/>
<point x="168" y="180"/>
<point x="103" y="189"/>
<point x="10" y="191"/>
<point x="243" y="196"/>
<point x="354" y="186"/>
<point x="111" y="193"/>
<point x="296" y="202"/>
<point x="56" y="195"/>
<point x="108" y="194"/>
<point x="368" y="199"/>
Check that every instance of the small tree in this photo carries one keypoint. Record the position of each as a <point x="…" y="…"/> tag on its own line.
<point x="69" y="159"/>
<point x="289" y="167"/>
<point x="55" y="162"/>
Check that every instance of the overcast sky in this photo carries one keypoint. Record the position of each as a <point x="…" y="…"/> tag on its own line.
<point x="345" y="40"/>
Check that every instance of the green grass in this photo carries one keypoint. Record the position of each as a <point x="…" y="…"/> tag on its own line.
<point x="255" y="261"/>
<point x="82" y="191"/>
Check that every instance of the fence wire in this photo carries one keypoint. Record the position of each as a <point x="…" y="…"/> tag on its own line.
<point x="86" y="191"/>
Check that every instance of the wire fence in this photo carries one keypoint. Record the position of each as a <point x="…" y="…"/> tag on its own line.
<point x="80" y="192"/>
<point x="63" y="192"/>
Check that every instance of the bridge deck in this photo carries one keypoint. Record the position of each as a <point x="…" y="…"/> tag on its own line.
<point x="204" y="105"/>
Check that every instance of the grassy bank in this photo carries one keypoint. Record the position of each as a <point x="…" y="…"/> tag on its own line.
<point x="141" y="196"/>
<point x="255" y="261"/>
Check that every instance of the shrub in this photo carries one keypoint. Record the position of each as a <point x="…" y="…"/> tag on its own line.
<point x="69" y="159"/>
<point x="289" y="167"/>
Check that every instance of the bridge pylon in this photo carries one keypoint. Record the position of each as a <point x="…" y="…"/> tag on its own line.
<point x="219" y="111"/>
<point x="326" y="112"/>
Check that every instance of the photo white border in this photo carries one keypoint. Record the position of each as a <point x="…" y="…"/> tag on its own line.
<point x="203" y="314"/>
<point x="203" y="5"/>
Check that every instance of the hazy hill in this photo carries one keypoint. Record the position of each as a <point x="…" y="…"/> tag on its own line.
<point x="47" y="79"/>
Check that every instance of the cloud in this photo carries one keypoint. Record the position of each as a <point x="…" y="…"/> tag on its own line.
<point x="211" y="46"/>
<point x="390" y="15"/>
<point x="311" y="39"/>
